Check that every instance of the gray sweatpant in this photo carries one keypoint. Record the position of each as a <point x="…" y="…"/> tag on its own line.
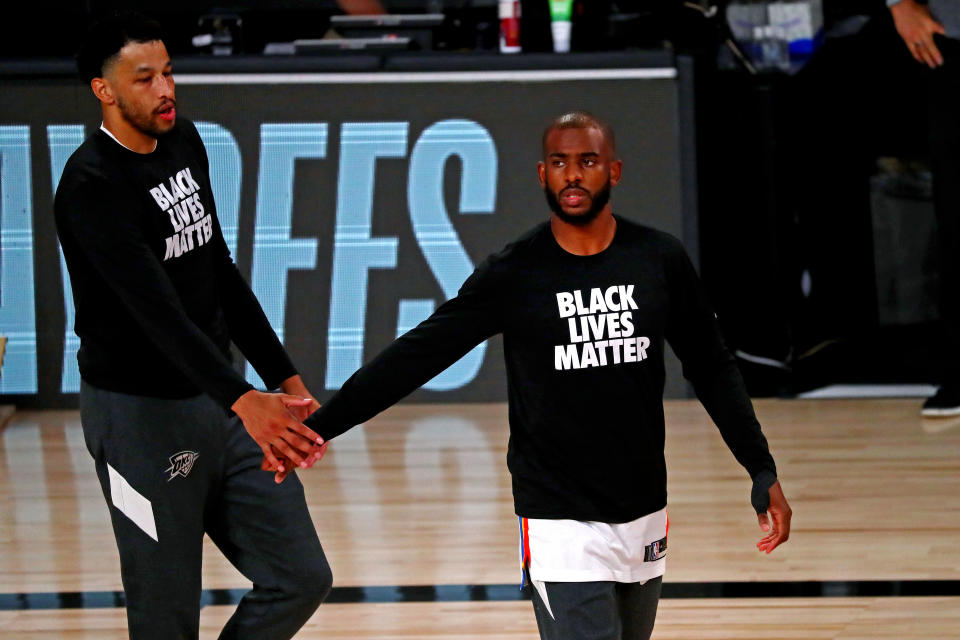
<point x="173" y="469"/>
<point x="597" y="610"/>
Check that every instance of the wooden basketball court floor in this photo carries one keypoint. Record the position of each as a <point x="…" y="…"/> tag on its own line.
<point x="415" y="514"/>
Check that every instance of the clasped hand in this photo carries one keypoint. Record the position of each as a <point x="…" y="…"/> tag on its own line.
<point x="275" y="422"/>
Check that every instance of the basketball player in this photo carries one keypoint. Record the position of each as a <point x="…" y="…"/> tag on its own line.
<point x="176" y="433"/>
<point x="585" y="302"/>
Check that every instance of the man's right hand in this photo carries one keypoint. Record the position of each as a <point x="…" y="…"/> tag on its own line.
<point x="300" y="412"/>
<point x="268" y="421"/>
<point x="916" y="26"/>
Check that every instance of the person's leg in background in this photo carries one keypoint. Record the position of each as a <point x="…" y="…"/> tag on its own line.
<point x="829" y="136"/>
<point x="859" y="98"/>
<point x="945" y="155"/>
<point x="265" y="530"/>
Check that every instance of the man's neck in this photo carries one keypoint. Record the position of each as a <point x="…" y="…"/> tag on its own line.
<point x="588" y="239"/>
<point x="128" y="135"/>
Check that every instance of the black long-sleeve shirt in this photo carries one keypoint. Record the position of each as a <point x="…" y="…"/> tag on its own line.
<point x="158" y="298"/>
<point x="583" y="341"/>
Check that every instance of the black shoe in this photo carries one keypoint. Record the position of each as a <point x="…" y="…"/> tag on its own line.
<point x="944" y="404"/>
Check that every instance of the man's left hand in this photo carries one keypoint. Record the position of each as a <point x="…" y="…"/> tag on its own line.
<point x="776" y="521"/>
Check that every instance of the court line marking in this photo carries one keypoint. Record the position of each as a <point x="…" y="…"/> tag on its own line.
<point x="870" y="391"/>
<point x="511" y="592"/>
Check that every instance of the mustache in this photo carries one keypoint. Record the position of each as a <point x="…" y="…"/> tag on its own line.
<point x="166" y="105"/>
<point x="574" y="187"/>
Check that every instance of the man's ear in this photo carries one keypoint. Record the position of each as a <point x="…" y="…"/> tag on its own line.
<point x="102" y="90"/>
<point x="616" y="168"/>
<point x="542" y="173"/>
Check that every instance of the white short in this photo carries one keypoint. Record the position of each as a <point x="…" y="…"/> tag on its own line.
<point x="575" y="551"/>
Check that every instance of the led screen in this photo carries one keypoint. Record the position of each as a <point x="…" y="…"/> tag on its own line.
<point x="353" y="204"/>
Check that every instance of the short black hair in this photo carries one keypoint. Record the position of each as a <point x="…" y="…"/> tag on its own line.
<point x="581" y="120"/>
<point x="108" y="35"/>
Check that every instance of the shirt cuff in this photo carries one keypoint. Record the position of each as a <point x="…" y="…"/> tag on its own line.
<point x="760" y="493"/>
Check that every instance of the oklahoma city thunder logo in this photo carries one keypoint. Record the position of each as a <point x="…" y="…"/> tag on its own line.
<point x="181" y="464"/>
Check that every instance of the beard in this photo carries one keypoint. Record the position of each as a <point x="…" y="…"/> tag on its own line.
<point x="598" y="201"/>
<point x="143" y="122"/>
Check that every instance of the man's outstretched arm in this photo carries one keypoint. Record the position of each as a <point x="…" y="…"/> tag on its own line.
<point x="414" y="358"/>
<point x="458" y="325"/>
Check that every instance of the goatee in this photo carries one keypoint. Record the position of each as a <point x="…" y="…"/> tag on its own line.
<point x="598" y="202"/>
